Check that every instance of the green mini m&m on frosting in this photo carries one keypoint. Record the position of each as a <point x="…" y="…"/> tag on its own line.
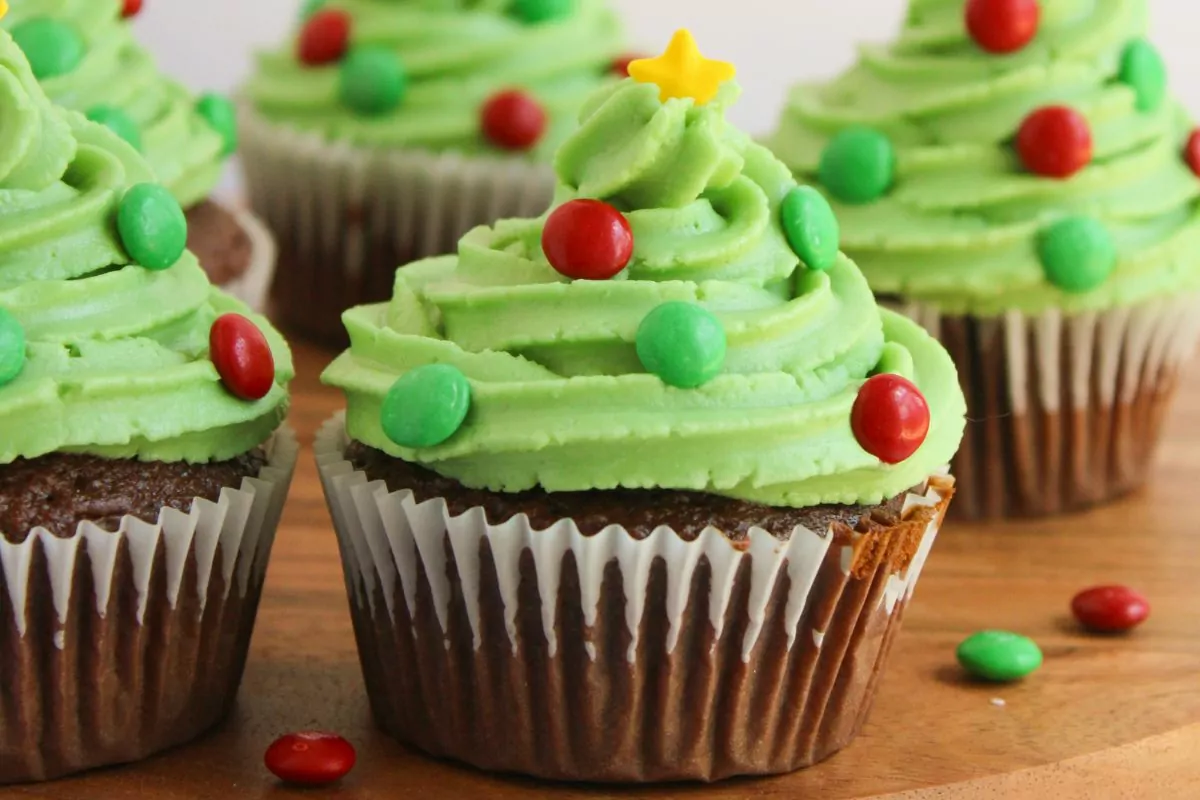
<point x="858" y="165"/>
<point x="118" y="122"/>
<point x="426" y="406"/>
<point x="372" y="81"/>
<point x="53" y="48"/>
<point x="12" y="347"/>
<point x="811" y="227"/>
<point x="682" y="343"/>
<point x="1143" y="69"/>
<point x="1077" y="253"/>
<point x="220" y="114"/>
<point x="153" y="227"/>
<point x="535" y="11"/>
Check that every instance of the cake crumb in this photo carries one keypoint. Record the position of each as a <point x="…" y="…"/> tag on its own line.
<point x="998" y="702"/>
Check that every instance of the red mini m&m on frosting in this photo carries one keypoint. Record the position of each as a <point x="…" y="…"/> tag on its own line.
<point x="1055" y="142"/>
<point x="1003" y="26"/>
<point x="325" y="38"/>
<point x="890" y="418"/>
<point x="131" y="8"/>
<point x="587" y="240"/>
<point x="512" y="120"/>
<point x="242" y="357"/>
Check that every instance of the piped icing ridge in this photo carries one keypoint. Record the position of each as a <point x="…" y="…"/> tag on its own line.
<point x="427" y="69"/>
<point x="705" y="357"/>
<point x="973" y="217"/>
<point x="94" y="65"/>
<point x="102" y="352"/>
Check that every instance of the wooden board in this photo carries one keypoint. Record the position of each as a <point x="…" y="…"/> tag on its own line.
<point x="1106" y="717"/>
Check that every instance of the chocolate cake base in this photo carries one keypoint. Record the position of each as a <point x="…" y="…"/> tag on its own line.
<point x="584" y="653"/>
<point x="128" y="636"/>
<point x="218" y="240"/>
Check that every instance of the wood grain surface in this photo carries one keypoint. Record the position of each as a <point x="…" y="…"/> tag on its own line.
<point x="1105" y="717"/>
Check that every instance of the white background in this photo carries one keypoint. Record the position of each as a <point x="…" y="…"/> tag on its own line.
<point x="208" y="43"/>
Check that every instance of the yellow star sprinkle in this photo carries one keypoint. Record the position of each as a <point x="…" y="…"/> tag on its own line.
<point x="3" y="8"/>
<point x="682" y="71"/>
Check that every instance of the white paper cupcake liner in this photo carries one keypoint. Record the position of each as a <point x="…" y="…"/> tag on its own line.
<point x="346" y="217"/>
<point x="1065" y="411"/>
<point x="116" y="645"/>
<point x="514" y="649"/>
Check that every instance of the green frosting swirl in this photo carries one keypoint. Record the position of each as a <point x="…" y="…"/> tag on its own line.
<point x="960" y="228"/>
<point x="558" y="395"/>
<point x="116" y="355"/>
<point x="186" y="153"/>
<point x="456" y="54"/>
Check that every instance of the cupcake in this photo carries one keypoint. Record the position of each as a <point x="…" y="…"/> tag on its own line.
<point x="85" y="55"/>
<point x="639" y="490"/>
<point x="142" y="465"/>
<point x="383" y="131"/>
<point x="1016" y="176"/>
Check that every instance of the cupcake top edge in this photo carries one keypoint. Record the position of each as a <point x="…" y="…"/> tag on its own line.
<point x="499" y="79"/>
<point x="87" y="59"/>
<point x="112" y="341"/>
<point x="1008" y="156"/>
<point x="680" y="319"/>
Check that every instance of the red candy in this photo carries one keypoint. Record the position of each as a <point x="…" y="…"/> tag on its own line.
<point x="621" y="65"/>
<point x="131" y="9"/>
<point x="890" y="418"/>
<point x="1192" y="152"/>
<point x="1055" y="142"/>
<point x="587" y="240"/>
<point x="1110" y="609"/>
<point x="512" y="120"/>
<point x="325" y="38"/>
<point x="242" y="357"/>
<point x="310" y="759"/>
<point x="1003" y="26"/>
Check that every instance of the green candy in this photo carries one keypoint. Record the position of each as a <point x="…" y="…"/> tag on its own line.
<point x="152" y="226"/>
<point x="1077" y="254"/>
<point x="1142" y="68"/>
<point x="811" y="227"/>
<point x="372" y="81"/>
<point x="999" y="656"/>
<point x="53" y="48"/>
<point x="220" y="114"/>
<point x="12" y="347"/>
<point x="682" y="343"/>
<point x="858" y="165"/>
<point x="533" y="12"/>
<point x="426" y="406"/>
<point x="118" y="122"/>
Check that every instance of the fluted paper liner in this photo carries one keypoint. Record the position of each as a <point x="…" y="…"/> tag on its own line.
<point x="1065" y="412"/>
<point x="346" y="218"/>
<point x="251" y="286"/>
<point x="116" y="645"/>
<point x="608" y="658"/>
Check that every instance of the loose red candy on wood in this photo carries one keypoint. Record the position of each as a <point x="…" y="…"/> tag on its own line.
<point x="587" y="240"/>
<point x="890" y="418"/>
<point x="1003" y="26"/>
<point x="131" y="9"/>
<point x="310" y="758"/>
<point x="512" y="120"/>
<point x="1055" y="142"/>
<point x="242" y="357"/>
<point x="1192" y="152"/>
<point x="1110" y="609"/>
<point x="325" y="38"/>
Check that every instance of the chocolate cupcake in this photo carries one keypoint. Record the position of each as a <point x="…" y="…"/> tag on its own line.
<point x="638" y="491"/>
<point x="142" y="465"/>
<point x="85" y="55"/>
<point x="1017" y="177"/>
<point x="383" y="131"/>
